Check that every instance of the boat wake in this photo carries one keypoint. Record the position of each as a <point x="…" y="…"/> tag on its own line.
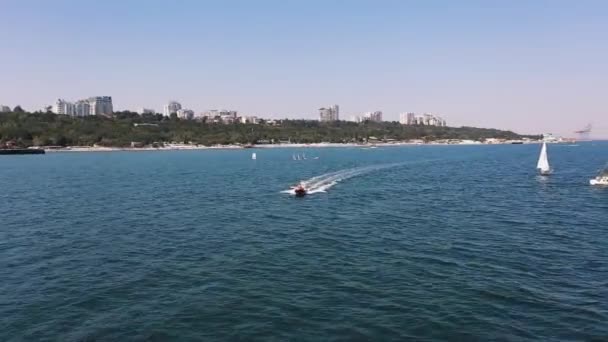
<point x="325" y="181"/>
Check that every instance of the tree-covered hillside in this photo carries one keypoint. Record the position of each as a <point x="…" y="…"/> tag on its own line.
<point x="43" y="129"/>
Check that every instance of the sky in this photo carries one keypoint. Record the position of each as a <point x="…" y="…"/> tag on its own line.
<point x="528" y="66"/>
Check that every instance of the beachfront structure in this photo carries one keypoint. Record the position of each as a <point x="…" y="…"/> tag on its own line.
<point x="331" y="113"/>
<point x="425" y="119"/>
<point x="550" y="138"/>
<point x="171" y="107"/>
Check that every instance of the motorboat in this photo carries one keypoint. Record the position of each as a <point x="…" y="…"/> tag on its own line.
<point x="601" y="179"/>
<point x="299" y="190"/>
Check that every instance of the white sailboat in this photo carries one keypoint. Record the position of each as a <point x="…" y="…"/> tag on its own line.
<point x="299" y="158"/>
<point x="543" y="161"/>
<point x="254" y="156"/>
<point x="293" y="156"/>
<point x="304" y="156"/>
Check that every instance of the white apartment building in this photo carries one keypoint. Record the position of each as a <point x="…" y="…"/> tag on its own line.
<point x="373" y="116"/>
<point x="248" y="119"/>
<point x="4" y="109"/>
<point x="331" y="113"/>
<point x="407" y="118"/>
<point x="63" y="107"/>
<point x="98" y="105"/>
<point x="186" y="114"/>
<point x="222" y="115"/>
<point x="426" y="119"/>
<point x="82" y="108"/>
<point x="171" y="107"/>
<point x="101" y="105"/>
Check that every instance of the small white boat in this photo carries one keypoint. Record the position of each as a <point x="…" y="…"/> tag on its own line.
<point x="543" y="162"/>
<point x="601" y="179"/>
<point x="254" y="156"/>
<point x="293" y="156"/>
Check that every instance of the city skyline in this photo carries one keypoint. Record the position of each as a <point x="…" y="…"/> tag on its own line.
<point x="527" y="67"/>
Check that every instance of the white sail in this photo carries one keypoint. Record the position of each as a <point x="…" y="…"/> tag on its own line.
<point x="254" y="156"/>
<point x="543" y="161"/>
<point x="293" y="156"/>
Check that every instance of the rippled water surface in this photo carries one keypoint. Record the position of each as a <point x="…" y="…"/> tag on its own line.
<point x="424" y="243"/>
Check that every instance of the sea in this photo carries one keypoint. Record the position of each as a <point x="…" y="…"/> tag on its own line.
<point x="419" y="243"/>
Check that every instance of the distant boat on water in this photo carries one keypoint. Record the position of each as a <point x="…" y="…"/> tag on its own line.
<point x="543" y="161"/>
<point x="8" y="151"/>
<point x="601" y="179"/>
<point x="254" y="156"/>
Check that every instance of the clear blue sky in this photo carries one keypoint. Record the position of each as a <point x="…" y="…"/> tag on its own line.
<point x="530" y="66"/>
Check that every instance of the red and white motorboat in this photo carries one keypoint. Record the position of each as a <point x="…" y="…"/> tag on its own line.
<point x="300" y="190"/>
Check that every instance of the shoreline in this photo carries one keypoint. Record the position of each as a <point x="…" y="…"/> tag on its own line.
<point x="180" y="147"/>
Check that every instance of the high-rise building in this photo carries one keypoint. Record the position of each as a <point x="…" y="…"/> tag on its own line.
<point x="407" y="118"/>
<point x="98" y="105"/>
<point x="373" y="116"/>
<point x="335" y="109"/>
<point x="82" y="108"/>
<point x="329" y="114"/>
<point x="426" y="119"/>
<point x="171" y="107"/>
<point x="324" y="114"/>
<point x="63" y="107"/>
<point x="4" y="109"/>
<point x="101" y="105"/>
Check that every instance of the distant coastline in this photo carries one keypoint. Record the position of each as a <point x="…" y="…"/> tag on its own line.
<point x="186" y="147"/>
<point x="134" y="132"/>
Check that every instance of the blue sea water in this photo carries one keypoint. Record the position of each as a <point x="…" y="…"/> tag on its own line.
<point x="429" y="243"/>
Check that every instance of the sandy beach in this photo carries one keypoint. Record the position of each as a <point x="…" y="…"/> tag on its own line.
<point x="175" y="147"/>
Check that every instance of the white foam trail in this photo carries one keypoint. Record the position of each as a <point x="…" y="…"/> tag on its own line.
<point x="325" y="181"/>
